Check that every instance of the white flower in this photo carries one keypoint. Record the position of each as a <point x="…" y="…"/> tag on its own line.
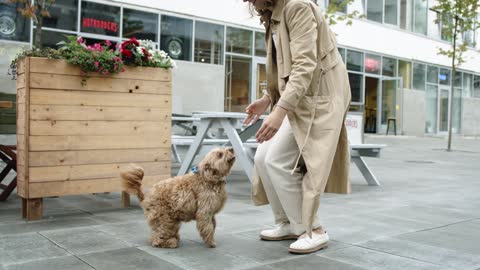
<point x="140" y="51"/>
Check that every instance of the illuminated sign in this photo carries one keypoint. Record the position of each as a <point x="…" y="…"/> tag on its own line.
<point x="100" y="24"/>
<point x="442" y="77"/>
<point x="372" y="64"/>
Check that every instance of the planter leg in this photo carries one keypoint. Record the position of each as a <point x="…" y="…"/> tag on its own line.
<point x="34" y="208"/>
<point x="24" y="208"/>
<point x="125" y="200"/>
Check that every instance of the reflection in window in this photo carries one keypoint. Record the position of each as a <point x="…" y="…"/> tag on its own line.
<point x="373" y="63"/>
<point x="476" y="87"/>
<point x="208" y="43"/>
<point x="341" y="5"/>
<point x="432" y="74"/>
<point x="139" y="24"/>
<point x="50" y="39"/>
<point x="419" y="76"/>
<point x="389" y="67"/>
<point x="458" y="79"/>
<point x="356" y="83"/>
<point x="457" y="110"/>
<point x="63" y="15"/>
<point x="354" y="60"/>
<point x="444" y="76"/>
<point x="431" y="109"/>
<point x="237" y="88"/>
<point x="342" y="53"/>
<point x="420" y="16"/>
<point x="391" y="12"/>
<point x="239" y="41"/>
<point x="100" y="19"/>
<point x="176" y="37"/>
<point x="405" y="71"/>
<point x="375" y="10"/>
<point x="13" y="26"/>
<point x="260" y="46"/>
<point x="433" y="27"/>
<point x="406" y="14"/>
<point x="467" y="84"/>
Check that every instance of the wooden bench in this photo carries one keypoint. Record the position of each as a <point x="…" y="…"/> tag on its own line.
<point x="8" y="156"/>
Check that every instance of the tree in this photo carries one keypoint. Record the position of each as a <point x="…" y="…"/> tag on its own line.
<point x="457" y="18"/>
<point x="337" y="12"/>
<point x="36" y="10"/>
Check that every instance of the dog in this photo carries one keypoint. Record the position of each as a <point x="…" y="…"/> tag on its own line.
<point x="199" y="196"/>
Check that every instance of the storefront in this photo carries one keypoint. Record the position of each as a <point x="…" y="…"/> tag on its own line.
<point x="222" y="62"/>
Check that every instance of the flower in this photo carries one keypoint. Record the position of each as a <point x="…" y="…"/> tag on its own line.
<point x="126" y="53"/>
<point x="80" y="40"/>
<point x="108" y="42"/>
<point x="97" y="64"/>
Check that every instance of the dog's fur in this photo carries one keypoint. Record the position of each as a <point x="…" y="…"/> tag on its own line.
<point x="194" y="196"/>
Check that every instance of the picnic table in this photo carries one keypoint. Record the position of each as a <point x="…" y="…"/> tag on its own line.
<point x="228" y="121"/>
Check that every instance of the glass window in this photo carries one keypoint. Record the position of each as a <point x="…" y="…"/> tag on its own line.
<point x="375" y="10"/>
<point x="63" y="15"/>
<point x="237" y="83"/>
<point x="444" y="76"/>
<point x="469" y="38"/>
<point x="433" y="26"/>
<point x="419" y="76"/>
<point x="406" y="14"/>
<point x="176" y="37"/>
<point x="139" y="24"/>
<point x="260" y="46"/>
<point x="100" y="19"/>
<point x="341" y="5"/>
<point x="342" y="53"/>
<point x="354" y="60"/>
<point x="373" y="63"/>
<point x="420" y="16"/>
<point x="458" y="79"/>
<point x="467" y="84"/>
<point x="457" y="110"/>
<point x="239" y="41"/>
<point x="476" y="87"/>
<point x="405" y="71"/>
<point x="445" y="35"/>
<point x="51" y="39"/>
<point x="208" y="43"/>
<point x="391" y="12"/>
<point x="432" y="74"/>
<point x="13" y="26"/>
<point x="389" y="67"/>
<point x="356" y="84"/>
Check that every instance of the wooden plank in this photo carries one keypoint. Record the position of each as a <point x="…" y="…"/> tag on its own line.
<point x="84" y="98"/>
<point x="21" y="142"/>
<point x="21" y="157"/>
<point x="20" y="172"/>
<point x="25" y="143"/>
<point x="125" y="199"/>
<point x="112" y="128"/>
<point x="34" y="209"/>
<point x="61" y="143"/>
<point x="57" y="158"/>
<point x="20" y="126"/>
<point x="21" y="67"/>
<point x="21" y="95"/>
<point x="102" y="84"/>
<point x="96" y="171"/>
<point x="21" y="188"/>
<point x="98" y="113"/>
<point x="21" y="81"/>
<point x="52" y="66"/>
<point x="48" y="189"/>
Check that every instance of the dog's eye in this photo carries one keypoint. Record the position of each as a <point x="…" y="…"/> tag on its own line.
<point x="220" y="154"/>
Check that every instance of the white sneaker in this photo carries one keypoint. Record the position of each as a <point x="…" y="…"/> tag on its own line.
<point x="305" y="244"/>
<point x="280" y="232"/>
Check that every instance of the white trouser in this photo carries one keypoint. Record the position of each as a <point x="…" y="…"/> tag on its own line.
<point x="274" y="161"/>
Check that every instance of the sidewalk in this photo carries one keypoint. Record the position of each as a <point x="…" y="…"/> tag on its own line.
<point x="424" y="216"/>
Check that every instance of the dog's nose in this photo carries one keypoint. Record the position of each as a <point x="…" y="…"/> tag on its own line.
<point x="230" y="149"/>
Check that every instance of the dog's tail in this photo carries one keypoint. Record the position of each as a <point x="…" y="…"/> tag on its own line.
<point x="132" y="181"/>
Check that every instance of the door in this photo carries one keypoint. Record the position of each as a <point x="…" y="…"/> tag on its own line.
<point x="259" y="78"/>
<point x="387" y="103"/>
<point x="237" y="83"/>
<point x="443" y="109"/>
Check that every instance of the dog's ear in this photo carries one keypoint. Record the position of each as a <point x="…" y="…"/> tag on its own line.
<point x="208" y="170"/>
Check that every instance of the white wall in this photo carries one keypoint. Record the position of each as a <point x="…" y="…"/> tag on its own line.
<point x="198" y="87"/>
<point x="471" y="116"/>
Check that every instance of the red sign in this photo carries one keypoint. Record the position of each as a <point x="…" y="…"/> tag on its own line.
<point x="372" y="64"/>
<point x="100" y="24"/>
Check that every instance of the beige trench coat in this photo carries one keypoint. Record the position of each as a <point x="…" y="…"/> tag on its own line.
<point x="307" y="76"/>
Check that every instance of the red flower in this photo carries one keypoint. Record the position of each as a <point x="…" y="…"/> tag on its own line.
<point x="126" y="53"/>
<point x="134" y="41"/>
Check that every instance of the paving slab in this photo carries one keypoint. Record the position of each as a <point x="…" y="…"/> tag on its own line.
<point x="27" y="247"/>
<point x="126" y="259"/>
<point x="62" y="263"/>
<point x="309" y="263"/>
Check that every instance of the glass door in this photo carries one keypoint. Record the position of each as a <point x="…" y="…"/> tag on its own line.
<point x="431" y="109"/>
<point x="259" y="81"/>
<point x="443" y="109"/>
<point x="387" y="103"/>
<point x="237" y="83"/>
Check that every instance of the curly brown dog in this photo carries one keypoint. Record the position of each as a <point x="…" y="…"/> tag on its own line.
<point x="199" y="196"/>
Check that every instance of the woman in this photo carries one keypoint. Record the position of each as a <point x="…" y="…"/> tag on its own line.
<point x="303" y="142"/>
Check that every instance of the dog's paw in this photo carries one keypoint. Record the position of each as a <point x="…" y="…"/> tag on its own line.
<point x="211" y="245"/>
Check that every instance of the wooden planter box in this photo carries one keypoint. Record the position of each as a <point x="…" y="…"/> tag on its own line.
<point x="74" y="138"/>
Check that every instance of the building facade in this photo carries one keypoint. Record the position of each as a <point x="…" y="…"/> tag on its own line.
<point x="391" y="56"/>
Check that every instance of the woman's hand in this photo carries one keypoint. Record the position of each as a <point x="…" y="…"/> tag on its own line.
<point x="256" y="109"/>
<point x="271" y="125"/>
